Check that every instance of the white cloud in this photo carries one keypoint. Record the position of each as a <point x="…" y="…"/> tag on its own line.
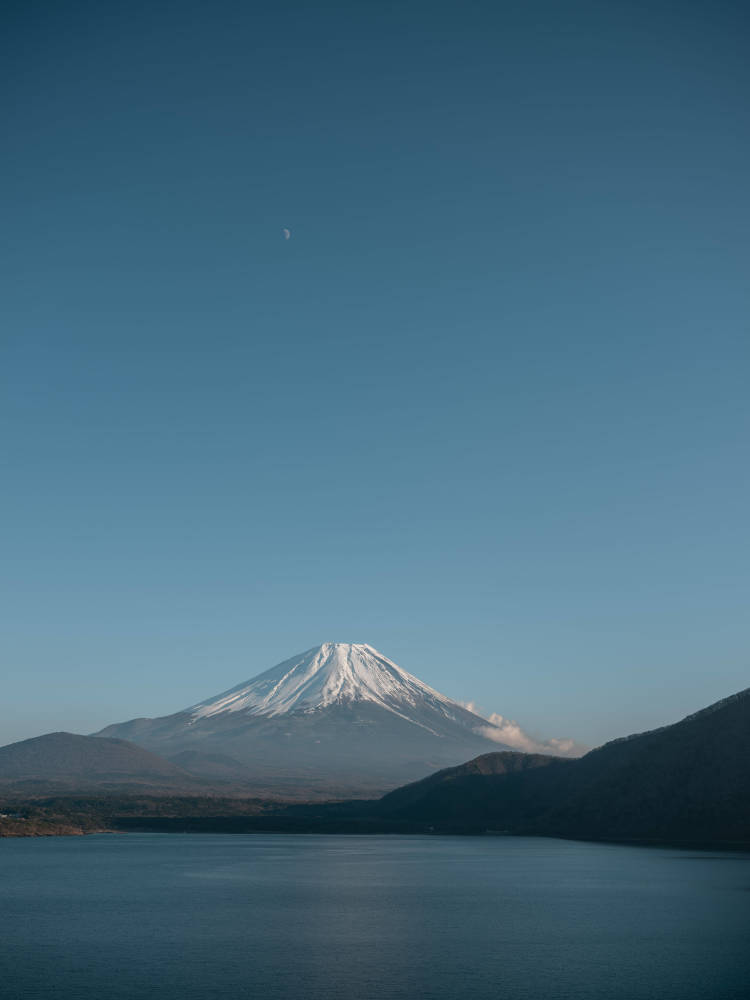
<point x="508" y="732"/>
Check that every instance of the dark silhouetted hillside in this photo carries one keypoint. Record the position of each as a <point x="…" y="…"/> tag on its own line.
<point x="688" y="782"/>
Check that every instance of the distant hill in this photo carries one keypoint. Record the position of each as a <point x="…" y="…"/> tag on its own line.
<point x="65" y="762"/>
<point x="688" y="782"/>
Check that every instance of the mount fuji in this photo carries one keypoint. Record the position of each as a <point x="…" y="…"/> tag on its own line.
<point x="338" y="719"/>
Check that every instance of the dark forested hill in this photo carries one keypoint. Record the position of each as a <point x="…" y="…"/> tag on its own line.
<point x="686" y="782"/>
<point x="439" y="786"/>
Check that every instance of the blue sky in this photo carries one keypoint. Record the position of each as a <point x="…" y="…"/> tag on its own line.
<point x="487" y="409"/>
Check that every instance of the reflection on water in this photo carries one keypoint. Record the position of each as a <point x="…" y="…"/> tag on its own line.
<point x="274" y="916"/>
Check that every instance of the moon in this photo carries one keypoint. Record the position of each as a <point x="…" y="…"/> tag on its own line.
<point x="287" y="233"/>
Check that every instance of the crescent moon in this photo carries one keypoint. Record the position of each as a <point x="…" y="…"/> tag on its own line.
<point x="287" y="233"/>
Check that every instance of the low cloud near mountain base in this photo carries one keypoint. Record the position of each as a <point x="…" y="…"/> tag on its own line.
<point x="509" y="733"/>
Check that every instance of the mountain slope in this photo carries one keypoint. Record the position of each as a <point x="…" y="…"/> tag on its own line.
<point x="60" y="762"/>
<point x="339" y="719"/>
<point x="335" y="674"/>
<point x="687" y="782"/>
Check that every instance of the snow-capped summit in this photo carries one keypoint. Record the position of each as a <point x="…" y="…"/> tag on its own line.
<point x="339" y="719"/>
<point x="335" y="673"/>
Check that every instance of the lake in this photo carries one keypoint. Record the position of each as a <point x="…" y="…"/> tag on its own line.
<point x="313" y="917"/>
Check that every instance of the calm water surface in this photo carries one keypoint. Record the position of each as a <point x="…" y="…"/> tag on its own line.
<point x="313" y="917"/>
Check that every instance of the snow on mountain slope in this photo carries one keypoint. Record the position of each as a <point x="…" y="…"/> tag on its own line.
<point x="335" y="673"/>
<point x="340" y="718"/>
